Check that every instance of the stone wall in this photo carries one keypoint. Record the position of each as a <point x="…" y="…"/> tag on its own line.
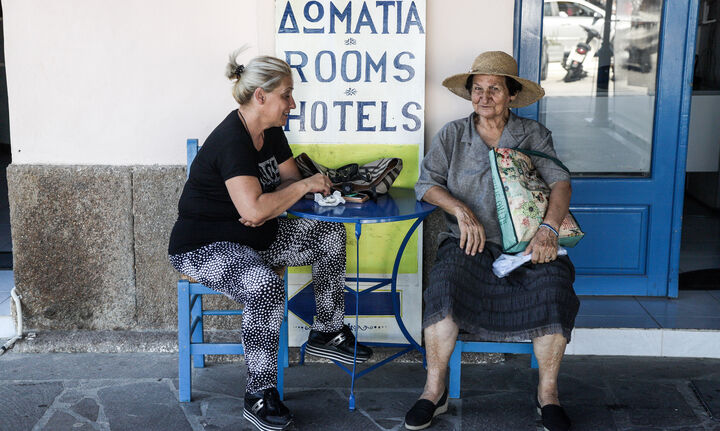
<point x="156" y="191"/>
<point x="90" y="246"/>
<point x="72" y="245"/>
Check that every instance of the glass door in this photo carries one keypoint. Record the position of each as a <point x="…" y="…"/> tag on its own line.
<point x="599" y="84"/>
<point x="615" y="78"/>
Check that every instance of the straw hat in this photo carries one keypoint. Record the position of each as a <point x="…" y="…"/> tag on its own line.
<point x="496" y="63"/>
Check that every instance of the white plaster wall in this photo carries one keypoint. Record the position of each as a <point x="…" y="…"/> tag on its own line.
<point x="457" y="32"/>
<point x="122" y="83"/>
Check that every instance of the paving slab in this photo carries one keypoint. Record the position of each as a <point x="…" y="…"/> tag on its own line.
<point x="708" y="392"/>
<point x="65" y="421"/>
<point x="386" y="408"/>
<point x="590" y="417"/>
<point x="148" y="406"/>
<point x="221" y="379"/>
<point x="498" y="411"/>
<point x="333" y="413"/>
<point x="23" y="404"/>
<point x="654" y="404"/>
<point x="87" y="408"/>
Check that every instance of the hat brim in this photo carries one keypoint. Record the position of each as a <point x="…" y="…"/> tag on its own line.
<point x="531" y="92"/>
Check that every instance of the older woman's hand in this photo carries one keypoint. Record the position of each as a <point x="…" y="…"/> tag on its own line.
<point x="472" y="233"/>
<point x="543" y="246"/>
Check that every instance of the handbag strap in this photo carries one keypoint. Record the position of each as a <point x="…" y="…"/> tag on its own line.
<point x="546" y="156"/>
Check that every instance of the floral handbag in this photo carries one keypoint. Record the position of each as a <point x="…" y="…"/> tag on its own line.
<point x="522" y="198"/>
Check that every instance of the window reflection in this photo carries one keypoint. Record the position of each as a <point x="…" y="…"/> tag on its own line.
<point x="599" y="78"/>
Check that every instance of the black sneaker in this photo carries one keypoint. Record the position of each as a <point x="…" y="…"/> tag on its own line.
<point x="265" y="410"/>
<point x="338" y="346"/>
<point x="421" y="414"/>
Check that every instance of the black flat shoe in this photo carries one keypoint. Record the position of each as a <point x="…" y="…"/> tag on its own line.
<point x="553" y="417"/>
<point x="423" y="411"/>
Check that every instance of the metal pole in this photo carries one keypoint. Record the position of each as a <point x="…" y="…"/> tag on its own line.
<point x="605" y="54"/>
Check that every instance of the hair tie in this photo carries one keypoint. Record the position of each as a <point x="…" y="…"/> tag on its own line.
<point x="239" y="70"/>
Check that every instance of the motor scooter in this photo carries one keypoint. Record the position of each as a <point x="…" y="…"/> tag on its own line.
<point x="573" y="61"/>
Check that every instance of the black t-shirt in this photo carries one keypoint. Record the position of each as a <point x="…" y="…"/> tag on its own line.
<point x="206" y="213"/>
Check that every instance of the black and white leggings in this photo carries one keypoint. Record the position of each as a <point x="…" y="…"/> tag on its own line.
<point x="246" y="276"/>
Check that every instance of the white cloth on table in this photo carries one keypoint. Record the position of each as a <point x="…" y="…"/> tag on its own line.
<point x="332" y="200"/>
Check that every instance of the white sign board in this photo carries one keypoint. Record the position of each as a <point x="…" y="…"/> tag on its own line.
<point x="359" y="70"/>
<point x="359" y="84"/>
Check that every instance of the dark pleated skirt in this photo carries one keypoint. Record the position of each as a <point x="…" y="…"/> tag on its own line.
<point x="532" y="301"/>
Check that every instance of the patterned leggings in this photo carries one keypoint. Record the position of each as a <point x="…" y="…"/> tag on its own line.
<point x="245" y="275"/>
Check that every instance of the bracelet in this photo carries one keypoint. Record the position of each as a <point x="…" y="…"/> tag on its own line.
<point x="550" y="227"/>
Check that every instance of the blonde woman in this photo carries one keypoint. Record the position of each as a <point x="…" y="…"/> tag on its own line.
<point x="228" y="235"/>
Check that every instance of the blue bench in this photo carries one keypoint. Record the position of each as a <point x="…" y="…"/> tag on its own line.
<point x="191" y="342"/>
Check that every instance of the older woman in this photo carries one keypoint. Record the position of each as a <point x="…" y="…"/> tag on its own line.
<point x="228" y="235"/>
<point x="537" y="300"/>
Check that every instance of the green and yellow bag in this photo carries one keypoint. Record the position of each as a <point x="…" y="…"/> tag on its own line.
<point x="521" y="197"/>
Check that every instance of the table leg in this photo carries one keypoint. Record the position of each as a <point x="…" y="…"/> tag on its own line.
<point x="396" y="304"/>
<point x="358" y="232"/>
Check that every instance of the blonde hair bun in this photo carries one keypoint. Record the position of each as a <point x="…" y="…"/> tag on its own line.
<point x="264" y="72"/>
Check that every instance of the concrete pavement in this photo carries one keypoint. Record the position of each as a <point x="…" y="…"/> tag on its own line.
<point x="138" y="391"/>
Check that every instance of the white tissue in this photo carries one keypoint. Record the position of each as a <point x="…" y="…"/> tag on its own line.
<point x="332" y="200"/>
<point x="506" y="263"/>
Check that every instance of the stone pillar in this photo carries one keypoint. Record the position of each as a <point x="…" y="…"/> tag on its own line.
<point x="73" y="245"/>
<point x="156" y="191"/>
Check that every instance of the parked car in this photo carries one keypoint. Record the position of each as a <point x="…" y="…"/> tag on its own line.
<point x="562" y="22"/>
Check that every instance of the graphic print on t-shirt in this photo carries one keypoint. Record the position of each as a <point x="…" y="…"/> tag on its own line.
<point x="269" y="174"/>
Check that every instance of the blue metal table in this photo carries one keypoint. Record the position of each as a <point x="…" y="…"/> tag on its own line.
<point x="398" y="205"/>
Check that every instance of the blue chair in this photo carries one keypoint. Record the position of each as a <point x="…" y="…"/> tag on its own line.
<point x="482" y="347"/>
<point x="191" y="344"/>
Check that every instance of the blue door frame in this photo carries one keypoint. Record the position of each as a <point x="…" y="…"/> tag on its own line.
<point x="632" y="225"/>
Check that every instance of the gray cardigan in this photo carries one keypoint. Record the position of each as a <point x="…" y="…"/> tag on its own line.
<point x="458" y="162"/>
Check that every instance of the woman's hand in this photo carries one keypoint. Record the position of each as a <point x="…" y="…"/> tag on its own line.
<point x="543" y="246"/>
<point x="319" y="183"/>
<point x="472" y="233"/>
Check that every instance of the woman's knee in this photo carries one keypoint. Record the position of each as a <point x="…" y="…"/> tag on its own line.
<point x="446" y="327"/>
<point x="262" y="283"/>
<point x="332" y="236"/>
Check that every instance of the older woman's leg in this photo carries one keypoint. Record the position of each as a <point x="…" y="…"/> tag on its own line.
<point x="549" y="351"/>
<point x="439" y="344"/>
